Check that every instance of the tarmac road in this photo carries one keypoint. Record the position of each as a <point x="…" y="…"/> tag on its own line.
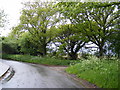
<point x="37" y="76"/>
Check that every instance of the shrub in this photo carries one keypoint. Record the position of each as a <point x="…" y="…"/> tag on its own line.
<point x="37" y="59"/>
<point x="9" y="47"/>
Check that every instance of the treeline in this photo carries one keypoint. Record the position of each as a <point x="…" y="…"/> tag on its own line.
<point x="63" y="28"/>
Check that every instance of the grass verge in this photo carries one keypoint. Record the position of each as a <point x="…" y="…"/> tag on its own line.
<point x="38" y="60"/>
<point x="103" y="73"/>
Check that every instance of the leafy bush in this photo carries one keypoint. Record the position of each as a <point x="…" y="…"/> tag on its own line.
<point x="37" y="59"/>
<point x="103" y="73"/>
<point x="10" y="48"/>
<point x="85" y="55"/>
<point x="26" y="44"/>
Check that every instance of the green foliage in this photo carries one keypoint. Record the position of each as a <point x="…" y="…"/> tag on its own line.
<point x="71" y="40"/>
<point x="37" y="59"/>
<point x="38" y="19"/>
<point x="103" y="73"/>
<point x="16" y="31"/>
<point x="85" y="55"/>
<point x="114" y="41"/>
<point x="96" y="20"/>
<point x="26" y="45"/>
<point x="47" y="23"/>
<point x="9" y="45"/>
<point x="9" y="48"/>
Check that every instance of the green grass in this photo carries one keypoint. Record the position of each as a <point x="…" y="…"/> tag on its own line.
<point x="38" y="60"/>
<point x="103" y="73"/>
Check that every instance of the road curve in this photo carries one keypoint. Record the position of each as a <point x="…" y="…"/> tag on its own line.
<point x="37" y="76"/>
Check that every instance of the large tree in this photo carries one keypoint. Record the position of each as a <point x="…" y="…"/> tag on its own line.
<point x="101" y="21"/>
<point x="114" y="40"/>
<point x="39" y="19"/>
<point x="96" y="18"/>
<point x="70" y="40"/>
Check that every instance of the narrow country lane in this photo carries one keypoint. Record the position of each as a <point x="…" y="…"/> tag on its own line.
<point x="37" y="76"/>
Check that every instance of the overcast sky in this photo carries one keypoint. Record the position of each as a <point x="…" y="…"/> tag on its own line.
<point x="12" y="8"/>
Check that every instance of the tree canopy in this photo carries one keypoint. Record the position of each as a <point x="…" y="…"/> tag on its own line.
<point x="38" y="18"/>
<point x="97" y="19"/>
<point x="70" y="24"/>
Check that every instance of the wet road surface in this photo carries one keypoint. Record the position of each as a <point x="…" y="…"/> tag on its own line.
<point x="37" y="76"/>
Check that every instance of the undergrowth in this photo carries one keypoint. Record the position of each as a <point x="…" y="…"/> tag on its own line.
<point x="102" y="72"/>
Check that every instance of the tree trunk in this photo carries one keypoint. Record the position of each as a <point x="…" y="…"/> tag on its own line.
<point x="101" y="51"/>
<point x="73" y="56"/>
<point x="118" y="55"/>
<point x="44" y="50"/>
<point x="44" y="45"/>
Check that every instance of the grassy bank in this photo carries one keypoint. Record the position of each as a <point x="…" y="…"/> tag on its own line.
<point x="103" y="73"/>
<point x="38" y="60"/>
